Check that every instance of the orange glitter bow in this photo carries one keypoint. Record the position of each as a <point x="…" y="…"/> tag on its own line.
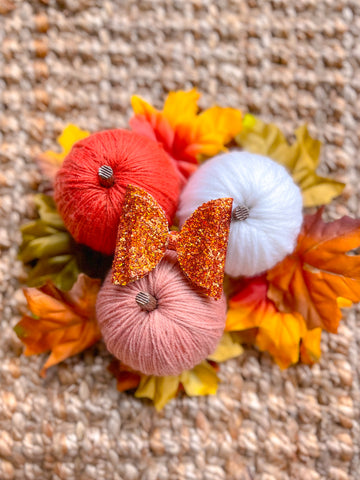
<point x="143" y="237"/>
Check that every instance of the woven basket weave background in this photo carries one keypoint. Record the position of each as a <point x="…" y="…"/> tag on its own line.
<point x="288" y="61"/>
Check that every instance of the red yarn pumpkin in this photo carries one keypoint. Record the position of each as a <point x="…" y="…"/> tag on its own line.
<point x="90" y="210"/>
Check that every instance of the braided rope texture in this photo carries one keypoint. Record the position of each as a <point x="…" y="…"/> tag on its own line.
<point x="79" y="61"/>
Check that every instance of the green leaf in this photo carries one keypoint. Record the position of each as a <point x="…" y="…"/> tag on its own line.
<point x="49" y="248"/>
<point x="52" y="253"/>
<point x="38" y="228"/>
<point x="47" y="211"/>
<point x="62" y="269"/>
<point x="68" y="274"/>
<point x="301" y="158"/>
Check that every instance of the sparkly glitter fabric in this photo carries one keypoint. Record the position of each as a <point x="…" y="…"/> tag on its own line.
<point x="202" y="244"/>
<point x="144" y="236"/>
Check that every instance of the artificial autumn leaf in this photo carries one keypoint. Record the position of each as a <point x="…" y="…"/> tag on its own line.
<point x="280" y="334"/>
<point x="52" y="254"/>
<point x="50" y="161"/>
<point x="301" y="158"/>
<point x="158" y="389"/>
<point x="343" y="302"/>
<point x="228" y="347"/>
<point x="320" y="270"/>
<point x="186" y="135"/>
<point x="63" y="322"/>
<point x="48" y="248"/>
<point x="310" y="349"/>
<point x="127" y="379"/>
<point x="277" y="332"/>
<point x="200" y="380"/>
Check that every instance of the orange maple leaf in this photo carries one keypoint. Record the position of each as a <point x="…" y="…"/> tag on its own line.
<point x="185" y="134"/>
<point x="277" y="332"/>
<point x="319" y="271"/>
<point x="63" y="322"/>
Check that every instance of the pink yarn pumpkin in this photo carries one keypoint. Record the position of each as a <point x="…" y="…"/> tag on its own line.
<point x="179" y="333"/>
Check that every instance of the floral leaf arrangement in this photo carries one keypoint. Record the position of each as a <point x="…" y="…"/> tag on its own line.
<point x="206" y="254"/>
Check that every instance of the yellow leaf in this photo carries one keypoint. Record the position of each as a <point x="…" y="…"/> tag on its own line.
<point x="69" y="136"/>
<point x="280" y="335"/>
<point x="181" y="107"/>
<point x="201" y="380"/>
<point x="140" y="106"/>
<point x="158" y="389"/>
<point x="51" y="161"/>
<point x="343" y="302"/>
<point x="229" y="347"/>
<point x="301" y="158"/>
<point x="310" y="349"/>
<point x="264" y="139"/>
<point x="217" y="126"/>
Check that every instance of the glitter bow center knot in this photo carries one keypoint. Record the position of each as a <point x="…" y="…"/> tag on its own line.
<point x="173" y="240"/>
<point x="143" y="238"/>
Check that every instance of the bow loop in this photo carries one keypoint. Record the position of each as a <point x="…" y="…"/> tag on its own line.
<point x="143" y="237"/>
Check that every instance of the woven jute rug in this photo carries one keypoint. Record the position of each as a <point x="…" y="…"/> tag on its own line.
<point x="79" y="61"/>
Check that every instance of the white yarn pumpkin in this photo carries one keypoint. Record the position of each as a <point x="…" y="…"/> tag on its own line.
<point x="274" y="202"/>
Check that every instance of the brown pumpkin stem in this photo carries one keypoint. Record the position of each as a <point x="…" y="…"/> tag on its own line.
<point x="106" y="176"/>
<point x="240" y="213"/>
<point x="146" y="301"/>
